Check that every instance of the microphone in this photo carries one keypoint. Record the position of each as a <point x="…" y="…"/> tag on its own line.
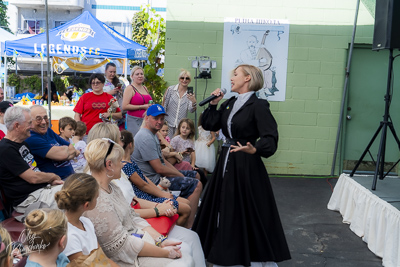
<point x="211" y="98"/>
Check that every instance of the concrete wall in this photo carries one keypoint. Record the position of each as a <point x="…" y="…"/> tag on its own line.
<point x="320" y="33"/>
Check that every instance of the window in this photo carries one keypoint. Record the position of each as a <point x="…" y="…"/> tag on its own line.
<point x="120" y="27"/>
<point x="59" y="23"/>
<point x="34" y="26"/>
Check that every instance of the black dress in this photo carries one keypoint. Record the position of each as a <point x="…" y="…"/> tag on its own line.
<point x="238" y="221"/>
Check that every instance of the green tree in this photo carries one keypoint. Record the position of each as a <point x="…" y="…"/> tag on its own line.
<point x="149" y="30"/>
<point x="3" y="17"/>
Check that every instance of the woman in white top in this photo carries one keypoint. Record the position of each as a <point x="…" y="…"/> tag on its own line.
<point x="177" y="101"/>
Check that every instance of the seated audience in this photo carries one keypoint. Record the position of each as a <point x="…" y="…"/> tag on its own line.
<point x="173" y="157"/>
<point x="49" y="229"/>
<point x="52" y="153"/>
<point x="146" y="189"/>
<point x="20" y="177"/>
<point x="148" y="157"/>
<point x="79" y="162"/>
<point x="67" y="127"/>
<point x="4" y="105"/>
<point x="125" y="238"/>
<point x="107" y="130"/>
<point x="79" y="194"/>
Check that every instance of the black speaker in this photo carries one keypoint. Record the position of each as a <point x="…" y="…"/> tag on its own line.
<point x="387" y="25"/>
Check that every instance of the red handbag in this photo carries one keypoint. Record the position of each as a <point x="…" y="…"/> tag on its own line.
<point x="162" y="224"/>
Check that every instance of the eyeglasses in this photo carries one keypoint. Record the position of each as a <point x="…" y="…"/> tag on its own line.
<point x="96" y="83"/>
<point x="39" y="119"/>
<point x="112" y="143"/>
<point x="184" y="78"/>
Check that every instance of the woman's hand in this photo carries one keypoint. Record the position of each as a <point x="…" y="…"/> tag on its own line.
<point x="217" y="92"/>
<point x="174" y="252"/>
<point x="145" y="106"/>
<point x="166" y="208"/>
<point x="248" y="148"/>
<point x="192" y="98"/>
<point x="170" y="243"/>
<point x="178" y="157"/>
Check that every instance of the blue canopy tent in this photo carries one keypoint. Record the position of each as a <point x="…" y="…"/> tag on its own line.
<point x="83" y="36"/>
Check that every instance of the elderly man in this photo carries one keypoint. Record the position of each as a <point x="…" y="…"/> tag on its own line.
<point x="148" y="156"/>
<point x="52" y="153"/>
<point x="22" y="181"/>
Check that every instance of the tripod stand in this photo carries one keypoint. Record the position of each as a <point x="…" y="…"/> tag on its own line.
<point x="387" y="122"/>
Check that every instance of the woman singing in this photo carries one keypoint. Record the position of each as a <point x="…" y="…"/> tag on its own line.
<point x="238" y="222"/>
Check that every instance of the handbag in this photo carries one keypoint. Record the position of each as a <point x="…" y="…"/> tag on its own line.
<point x="162" y="224"/>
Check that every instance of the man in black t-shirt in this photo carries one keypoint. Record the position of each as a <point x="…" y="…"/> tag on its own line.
<point x="22" y="181"/>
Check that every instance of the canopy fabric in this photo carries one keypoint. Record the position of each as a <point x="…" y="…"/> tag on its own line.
<point x="5" y="36"/>
<point x="74" y="64"/>
<point x="84" y="35"/>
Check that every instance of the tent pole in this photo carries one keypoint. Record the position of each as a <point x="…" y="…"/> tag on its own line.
<point x="48" y="61"/>
<point x="345" y="90"/>
<point x="41" y="72"/>
<point x="126" y="68"/>
<point x="5" y="76"/>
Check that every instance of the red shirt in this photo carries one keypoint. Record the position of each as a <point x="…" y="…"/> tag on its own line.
<point x="90" y="106"/>
<point x="2" y="134"/>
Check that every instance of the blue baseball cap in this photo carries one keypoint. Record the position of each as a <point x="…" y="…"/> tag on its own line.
<point x="155" y="110"/>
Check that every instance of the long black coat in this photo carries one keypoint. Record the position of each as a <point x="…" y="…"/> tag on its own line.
<point x="241" y="199"/>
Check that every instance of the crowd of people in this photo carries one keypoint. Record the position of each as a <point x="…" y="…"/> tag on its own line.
<point x="93" y="195"/>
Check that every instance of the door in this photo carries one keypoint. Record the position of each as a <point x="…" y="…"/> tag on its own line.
<point x="365" y="108"/>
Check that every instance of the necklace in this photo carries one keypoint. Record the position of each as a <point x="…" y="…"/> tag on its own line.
<point x="108" y="191"/>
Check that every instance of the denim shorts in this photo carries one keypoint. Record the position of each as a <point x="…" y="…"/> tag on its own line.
<point x="186" y="185"/>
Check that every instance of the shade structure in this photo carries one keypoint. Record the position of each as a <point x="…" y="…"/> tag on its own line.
<point x="83" y="36"/>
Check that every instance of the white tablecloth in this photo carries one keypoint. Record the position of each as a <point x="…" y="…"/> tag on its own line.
<point x="371" y="218"/>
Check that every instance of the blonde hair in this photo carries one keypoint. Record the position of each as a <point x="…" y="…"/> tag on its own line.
<point x="190" y="123"/>
<point x="256" y="77"/>
<point x="96" y="151"/>
<point x="104" y="130"/>
<point x="6" y="240"/>
<point x="134" y="69"/>
<point x="183" y="73"/>
<point x="78" y="189"/>
<point x="48" y="226"/>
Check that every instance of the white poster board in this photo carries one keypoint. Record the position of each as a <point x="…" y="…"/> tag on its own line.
<point x="263" y="43"/>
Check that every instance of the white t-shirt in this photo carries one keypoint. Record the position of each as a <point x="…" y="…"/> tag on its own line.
<point x="126" y="187"/>
<point x="79" y="240"/>
<point x="3" y="128"/>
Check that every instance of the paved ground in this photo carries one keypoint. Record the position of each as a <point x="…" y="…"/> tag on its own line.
<point x="316" y="235"/>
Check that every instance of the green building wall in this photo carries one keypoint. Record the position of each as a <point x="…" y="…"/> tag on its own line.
<point x="320" y="34"/>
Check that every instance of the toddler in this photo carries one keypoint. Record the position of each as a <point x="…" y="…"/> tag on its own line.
<point x="77" y="140"/>
<point x="66" y="126"/>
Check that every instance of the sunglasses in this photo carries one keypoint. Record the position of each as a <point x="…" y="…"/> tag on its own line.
<point x="96" y="83"/>
<point x="39" y="119"/>
<point x="184" y="78"/>
<point x="110" y="148"/>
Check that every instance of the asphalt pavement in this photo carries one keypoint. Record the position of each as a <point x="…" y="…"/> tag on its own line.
<point x="317" y="236"/>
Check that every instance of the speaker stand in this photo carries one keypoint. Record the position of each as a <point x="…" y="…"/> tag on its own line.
<point x="387" y="122"/>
